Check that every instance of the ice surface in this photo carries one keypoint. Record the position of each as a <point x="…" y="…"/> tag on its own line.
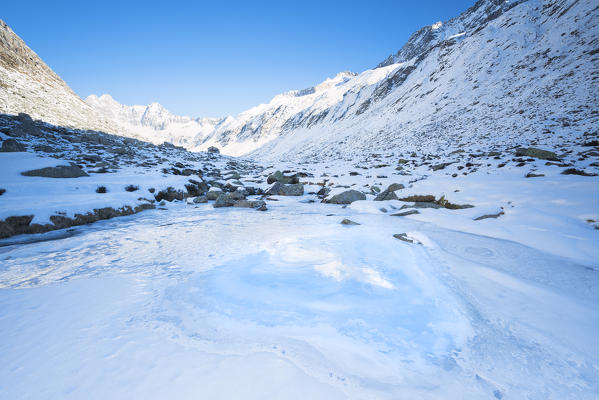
<point x="227" y="303"/>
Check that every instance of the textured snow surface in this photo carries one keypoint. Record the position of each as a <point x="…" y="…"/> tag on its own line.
<point x="194" y="301"/>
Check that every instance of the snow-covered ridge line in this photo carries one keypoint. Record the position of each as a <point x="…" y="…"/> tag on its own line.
<point x="512" y="72"/>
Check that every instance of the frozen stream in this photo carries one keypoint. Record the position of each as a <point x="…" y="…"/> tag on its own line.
<point x="232" y="303"/>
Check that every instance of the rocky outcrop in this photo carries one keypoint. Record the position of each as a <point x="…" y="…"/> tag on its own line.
<point x="12" y="146"/>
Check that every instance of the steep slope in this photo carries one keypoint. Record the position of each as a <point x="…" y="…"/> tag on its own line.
<point x="28" y="85"/>
<point x="502" y="72"/>
<point x="507" y="73"/>
<point x="152" y="123"/>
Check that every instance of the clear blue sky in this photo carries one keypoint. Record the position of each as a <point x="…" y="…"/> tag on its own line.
<point x="214" y="58"/>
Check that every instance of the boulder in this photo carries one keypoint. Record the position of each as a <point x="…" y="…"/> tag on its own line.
<point x="386" y="195"/>
<point x="12" y="146"/>
<point x="349" y="222"/>
<point x="280" y="189"/>
<point x="257" y="204"/>
<point x="347" y="197"/>
<point x="395" y="186"/>
<point x="213" y="149"/>
<point x="405" y="213"/>
<point x="200" y="199"/>
<point x="428" y="198"/>
<point x="228" y="199"/>
<point x="19" y="224"/>
<point x="536" y="153"/>
<point x="279" y="177"/>
<point x="61" y="171"/>
<point x="213" y="193"/>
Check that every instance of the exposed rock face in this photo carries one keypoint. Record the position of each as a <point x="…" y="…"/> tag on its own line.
<point x="61" y="171"/>
<point x="347" y="197"/>
<point x="11" y="145"/>
<point x="280" y="189"/>
<point x="28" y="85"/>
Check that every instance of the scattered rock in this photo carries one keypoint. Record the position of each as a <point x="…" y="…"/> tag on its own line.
<point x="200" y="199"/>
<point x="12" y="146"/>
<point x="349" y="222"/>
<point x="533" y="175"/>
<point x="61" y="171"/>
<point x="536" y="153"/>
<point x="347" y="197"/>
<point x="403" y="237"/>
<point x="280" y="189"/>
<point x="419" y="198"/>
<point x="405" y="213"/>
<point x="169" y="194"/>
<point x="486" y="216"/>
<point x="101" y="189"/>
<point x="131" y="188"/>
<point x="228" y="199"/>
<point x="213" y="193"/>
<point x="279" y="177"/>
<point x="574" y="171"/>
<point x="257" y="204"/>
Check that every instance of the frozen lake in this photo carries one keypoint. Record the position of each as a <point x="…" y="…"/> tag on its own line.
<point x="232" y="303"/>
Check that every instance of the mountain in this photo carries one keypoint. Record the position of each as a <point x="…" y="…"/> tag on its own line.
<point x="28" y="85"/>
<point x="510" y="72"/>
<point x="152" y="123"/>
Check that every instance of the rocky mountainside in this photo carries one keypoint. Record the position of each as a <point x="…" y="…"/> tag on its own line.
<point x="28" y="85"/>
<point x="515" y="72"/>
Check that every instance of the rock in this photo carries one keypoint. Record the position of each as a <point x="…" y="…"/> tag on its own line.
<point x="419" y="198"/>
<point x="257" y="204"/>
<point x="347" y="197"/>
<point x="228" y="199"/>
<point x="19" y="224"/>
<point x="2" y="191"/>
<point x="386" y="195"/>
<point x="12" y="146"/>
<point x="200" y="200"/>
<point x="280" y="189"/>
<point x="349" y="222"/>
<point x="61" y="171"/>
<point x="187" y="172"/>
<point x="404" y="237"/>
<point x="486" y="216"/>
<point x="574" y="171"/>
<point x="213" y="149"/>
<point x="279" y="177"/>
<point x="232" y="175"/>
<point x="536" y="153"/>
<point x="421" y="204"/>
<point x="533" y="175"/>
<point x="44" y="148"/>
<point x="438" y="167"/>
<point x="213" y="193"/>
<point x="193" y="190"/>
<point x="395" y="186"/>
<point x="169" y="194"/>
<point x="5" y="230"/>
<point x="92" y="157"/>
<point x="405" y="213"/>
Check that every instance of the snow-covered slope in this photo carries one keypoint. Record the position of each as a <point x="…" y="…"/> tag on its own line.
<point x="28" y="85"/>
<point x="511" y="72"/>
<point x="152" y="123"/>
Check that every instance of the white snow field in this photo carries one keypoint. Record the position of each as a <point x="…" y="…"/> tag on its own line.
<point x="193" y="302"/>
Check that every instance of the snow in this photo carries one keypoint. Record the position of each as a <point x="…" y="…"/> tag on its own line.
<point x="233" y="303"/>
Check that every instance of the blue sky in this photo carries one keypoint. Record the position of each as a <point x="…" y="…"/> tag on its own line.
<point x="214" y="58"/>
